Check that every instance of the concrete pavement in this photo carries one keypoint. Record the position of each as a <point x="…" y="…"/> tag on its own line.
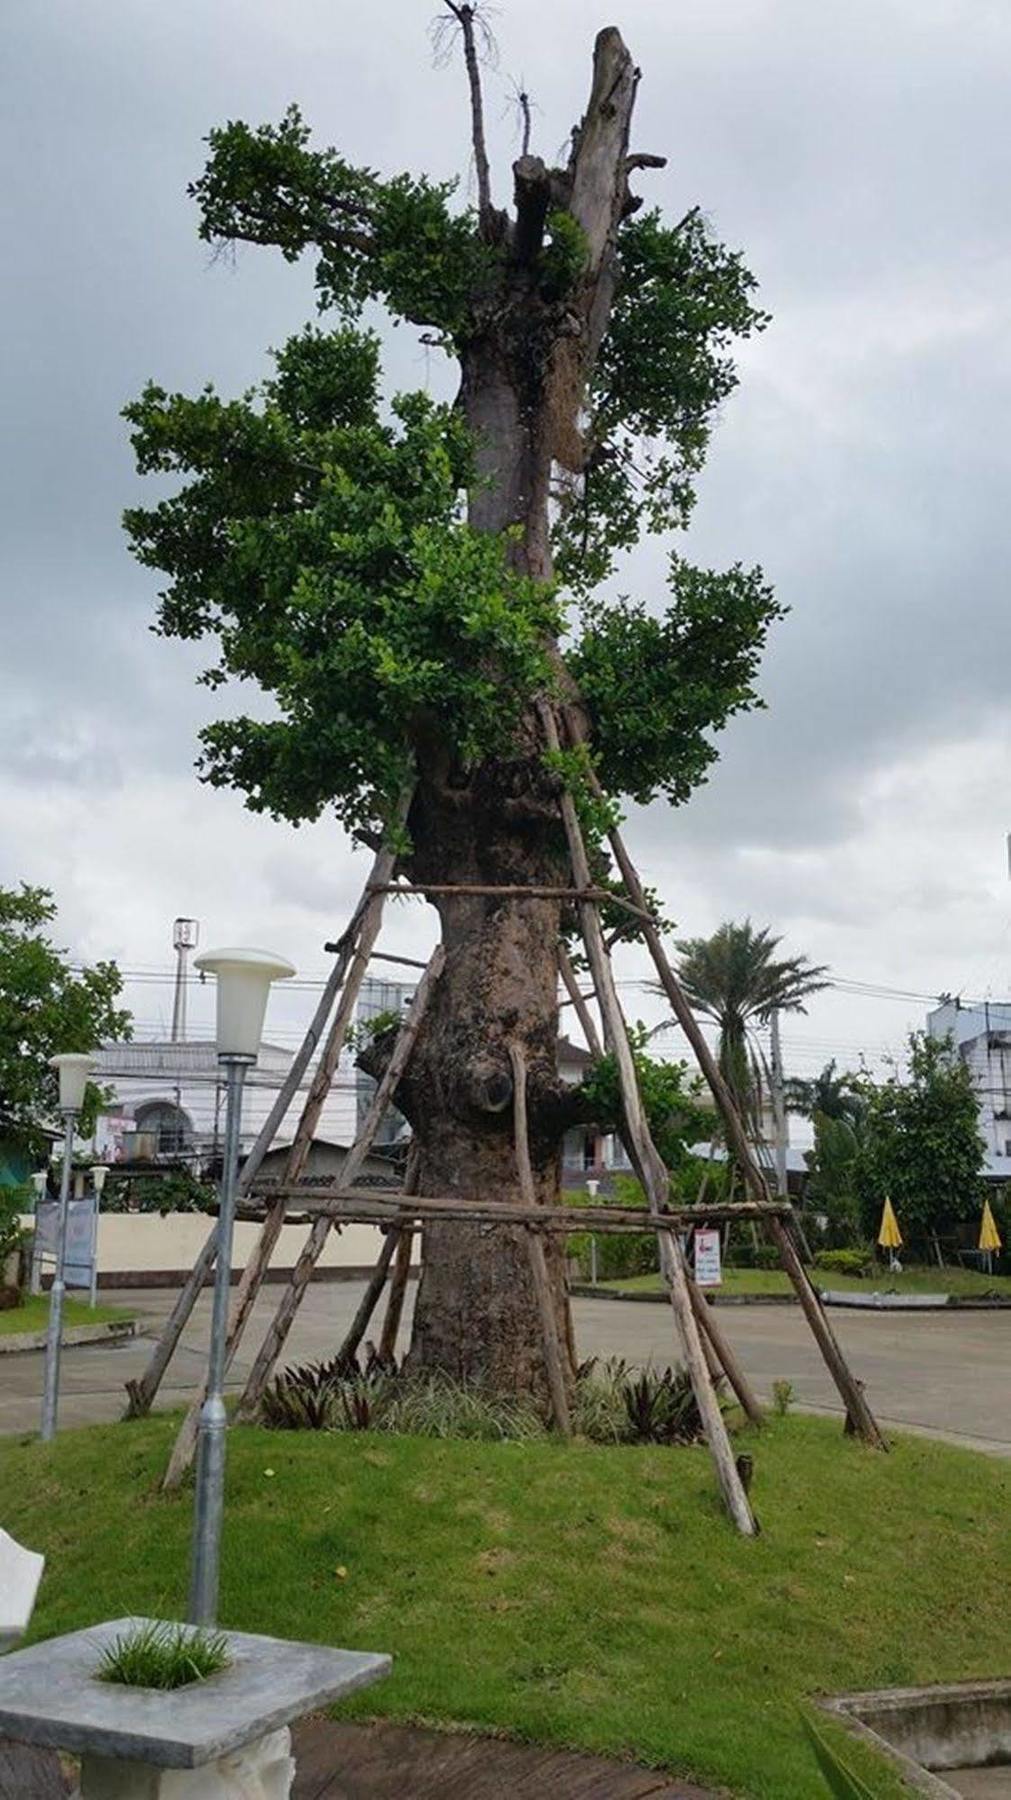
<point x="946" y="1374"/>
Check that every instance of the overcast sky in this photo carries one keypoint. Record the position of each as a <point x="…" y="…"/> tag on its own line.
<point x="857" y="150"/>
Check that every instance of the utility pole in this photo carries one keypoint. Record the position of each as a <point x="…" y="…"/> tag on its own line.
<point x="185" y="933"/>
<point x="778" y="1102"/>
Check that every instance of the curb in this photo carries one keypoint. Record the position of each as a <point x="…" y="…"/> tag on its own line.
<point x="894" y="1303"/>
<point x="11" y="1343"/>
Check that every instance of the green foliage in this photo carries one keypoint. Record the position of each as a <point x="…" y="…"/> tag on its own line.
<point x="393" y="240"/>
<point x="832" y="1187"/>
<point x="46" y="1009"/>
<point x="563" y="259"/>
<point x="782" y="1397"/>
<point x="322" y="547"/>
<point x="12" y="1202"/>
<point x="159" y="1655"/>
<point x="834" y="1096"/>
<point x="921" y="1146"/>
<point x="657" y="685"/>
<point x="321" y="542"/>
<point x="335" y="1397"/>
<point x="177" y="1191"/>
<point x="669" y="1096"/>
<point x="664" y="370"/>
<point x="662" y="1409"/>
<point x="856" y="1260"/>
<point x="619" y="1254"/>
<point x="736" y="979"/>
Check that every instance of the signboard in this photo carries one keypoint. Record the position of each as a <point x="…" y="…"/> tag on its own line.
<point x="82" y="1235"/>
<point x="707" y="1259"/>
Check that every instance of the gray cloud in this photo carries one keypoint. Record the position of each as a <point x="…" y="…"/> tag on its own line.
<point x="858" y="153"/>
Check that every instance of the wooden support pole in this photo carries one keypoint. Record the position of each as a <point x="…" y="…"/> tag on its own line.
<point x="726" y="1356"/>
<point x="553" y="1363"/>
<point x="377" y="1280"/>
<point x="141" y="1393"/>
<point x="849" y="1388"/>
<point x="353" y="947"/>
<point x="369" y="1300"/>
<point x="365" y="1205"/>
<point x="583" y="1013"/>
<point x="291" y="1300"/>
<point x="397" y="1295"/>
<point x="657" y="1181"/>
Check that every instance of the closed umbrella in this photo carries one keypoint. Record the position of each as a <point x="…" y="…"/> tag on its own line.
<point x="889" y="1235"/>
<point x="989" y="1236"/>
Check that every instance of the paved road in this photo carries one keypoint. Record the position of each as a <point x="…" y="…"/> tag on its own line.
<point x="942" y="1373"/>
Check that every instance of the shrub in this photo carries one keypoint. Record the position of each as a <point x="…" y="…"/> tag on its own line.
<point x="754" y="1256"/>
<point x="662" y="1409"/>
<point x="13" y="1201"/>
<point x="854" y="1261"/>
<point x="305" y="1398"/>
<point x="598" y="1402"/>
<point x="782" y="1397"/>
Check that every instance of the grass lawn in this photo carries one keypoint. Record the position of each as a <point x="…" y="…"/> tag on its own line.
<point x="964" y="1282"/>
<point x="33" y="1314"/>
<point x="583" y="1595"/>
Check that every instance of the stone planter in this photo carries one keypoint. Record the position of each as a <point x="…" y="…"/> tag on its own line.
<point x="225" y="1738"/>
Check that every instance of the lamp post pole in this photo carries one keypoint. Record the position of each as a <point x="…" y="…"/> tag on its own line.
<point x="54" y="1329"/>
<point x="243" y="984"/>
<point x="73" y="1072"/>
<point x="210" y="1475"/>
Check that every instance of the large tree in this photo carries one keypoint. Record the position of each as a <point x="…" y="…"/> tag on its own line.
<point x="408" y="582"/>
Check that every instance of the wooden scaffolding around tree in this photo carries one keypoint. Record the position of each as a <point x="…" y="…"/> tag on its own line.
<point x="707" y="1354"/>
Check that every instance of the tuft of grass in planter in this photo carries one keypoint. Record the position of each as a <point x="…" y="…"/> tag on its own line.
<point x="164" y="1656"/>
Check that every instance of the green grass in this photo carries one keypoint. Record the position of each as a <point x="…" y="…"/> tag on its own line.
<point x="33" y="1314"/>
<point x="581" y="1595"/>
<point x="159" y="1655"/>
<point x="963" y="1282"/>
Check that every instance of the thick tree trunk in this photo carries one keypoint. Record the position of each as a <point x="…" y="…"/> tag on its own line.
<point x="476" y="1315"/>
<point x="524" y="374"/>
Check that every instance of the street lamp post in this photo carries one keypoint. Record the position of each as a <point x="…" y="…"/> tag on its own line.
<point x="243" y="978"/>
<point x="73" y="1072"/>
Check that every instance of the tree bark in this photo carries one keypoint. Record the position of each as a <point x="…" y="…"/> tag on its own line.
<point x="524" y="375"/>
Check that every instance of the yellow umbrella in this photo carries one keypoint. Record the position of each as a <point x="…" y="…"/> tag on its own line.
<point x="989" y="1236"/>
<point x="889" y="1235"/>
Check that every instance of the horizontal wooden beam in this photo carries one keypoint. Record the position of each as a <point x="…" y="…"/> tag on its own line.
<point x="370" y="1206"/>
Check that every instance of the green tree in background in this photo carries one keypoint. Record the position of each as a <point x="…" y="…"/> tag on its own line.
<point x="45" y="1008"/>
<point x="833" y="1096"/>
<point x="736" y="979"/>
<point x="921" y="1145"/>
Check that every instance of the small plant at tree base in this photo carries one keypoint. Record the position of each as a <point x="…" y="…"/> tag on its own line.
<point x="782" y="1397"/>
<point x="164" y="1656"/>
<point x="662" y="1409"/>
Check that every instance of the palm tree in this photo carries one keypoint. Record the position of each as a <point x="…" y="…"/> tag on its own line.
<point x="736" y="979"/>
<point x="833" y="1096"/>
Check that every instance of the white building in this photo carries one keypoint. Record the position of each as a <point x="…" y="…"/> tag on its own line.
<point x="981" y="1035"/>
<point x="168" y="1101"/>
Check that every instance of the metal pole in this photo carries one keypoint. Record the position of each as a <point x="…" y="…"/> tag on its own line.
<point x="778" y="1101"/>
<point x="54" y="1333"/>
<point x="210" y="1479"/>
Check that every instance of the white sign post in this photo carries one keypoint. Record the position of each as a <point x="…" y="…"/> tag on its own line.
<point x="708" y="1272"/>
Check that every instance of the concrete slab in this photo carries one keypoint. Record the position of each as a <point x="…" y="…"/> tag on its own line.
<point x="49" y="1695"/>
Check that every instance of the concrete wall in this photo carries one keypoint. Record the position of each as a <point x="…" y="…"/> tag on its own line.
<point x="146" y="1245"/>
